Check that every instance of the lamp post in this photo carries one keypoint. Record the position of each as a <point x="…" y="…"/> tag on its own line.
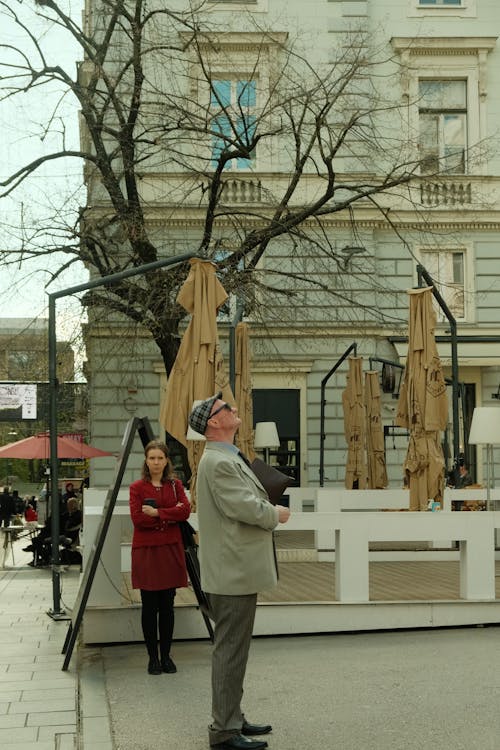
<point x="266" y="437"/>
<point x="485" y="430"/>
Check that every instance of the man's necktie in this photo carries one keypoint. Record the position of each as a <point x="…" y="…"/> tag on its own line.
<point x="245" y="459"/>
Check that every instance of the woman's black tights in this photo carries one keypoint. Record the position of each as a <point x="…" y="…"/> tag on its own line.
<point x="158" y="619"/>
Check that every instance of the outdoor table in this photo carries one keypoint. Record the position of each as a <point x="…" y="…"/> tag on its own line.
<point x="10" y="533"/>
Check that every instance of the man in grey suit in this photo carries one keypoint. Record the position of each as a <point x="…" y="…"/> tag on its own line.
<point x="237" y="560"/>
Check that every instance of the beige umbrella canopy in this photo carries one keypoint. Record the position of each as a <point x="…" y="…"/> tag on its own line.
<point x="375" y="453"/>
<point x="243" y="392"/>
<point x="198" y="370"/>
<point x="354" y="426"/>
<point x="423" y="404"/>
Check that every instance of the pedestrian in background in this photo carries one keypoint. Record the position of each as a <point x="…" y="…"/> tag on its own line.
<point x="237" y="560"/>
<point x="157" y="503"/>
<point x="6" y="506"/>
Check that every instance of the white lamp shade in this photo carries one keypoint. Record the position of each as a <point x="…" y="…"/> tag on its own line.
<point x="266" y="435"/>
<point x="192" y="434"/>
<point x="485" y="426"/>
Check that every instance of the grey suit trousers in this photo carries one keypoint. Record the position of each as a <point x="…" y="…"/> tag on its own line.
<point x="234" y="619"/>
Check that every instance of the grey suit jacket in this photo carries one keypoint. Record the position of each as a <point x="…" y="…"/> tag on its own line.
<point x="236" y="521"/>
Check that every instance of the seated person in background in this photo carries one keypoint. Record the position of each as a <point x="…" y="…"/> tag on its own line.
<point x="464" y="478"/>
<point x="70" y="524"/>
<point x="39" y="543"/>
<point x="70" y="555"/>
<point x="30" y="514"/>
<point x="73" y="521"/>
<point x="69" y="491"/>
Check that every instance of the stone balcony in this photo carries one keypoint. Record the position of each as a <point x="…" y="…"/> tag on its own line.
<point x="446" y="194"/>
<point x="183" y="192"/>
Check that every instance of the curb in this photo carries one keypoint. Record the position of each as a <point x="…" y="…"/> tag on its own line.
<point x="95" y="727"/>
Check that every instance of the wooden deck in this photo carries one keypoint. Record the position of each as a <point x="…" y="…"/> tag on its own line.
<point x="315" y="582"/>
<point x="412" y="591"/>
<point x="312" y="581"/>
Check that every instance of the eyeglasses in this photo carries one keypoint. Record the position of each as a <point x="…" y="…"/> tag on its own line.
<point x="224" y="406"/>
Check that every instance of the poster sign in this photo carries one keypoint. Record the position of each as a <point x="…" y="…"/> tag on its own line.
<point x="17" y="401"/>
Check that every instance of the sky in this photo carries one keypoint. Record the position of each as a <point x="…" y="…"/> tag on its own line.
<point x="57" y="185"/>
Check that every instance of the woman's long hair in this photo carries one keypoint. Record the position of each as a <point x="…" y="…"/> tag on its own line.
<point x="168" y="471"/>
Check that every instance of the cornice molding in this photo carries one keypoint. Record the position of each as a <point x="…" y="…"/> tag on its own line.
<point x="381" y="224"/>
<point x="237" y="40"/>
<point x="197" y="221"/>
<point x="445" y="45"/>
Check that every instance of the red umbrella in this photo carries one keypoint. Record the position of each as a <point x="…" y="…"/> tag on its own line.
<point x="38" y="446"/>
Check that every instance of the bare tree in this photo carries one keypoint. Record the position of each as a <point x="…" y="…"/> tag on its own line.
<point x="164" y="128"/>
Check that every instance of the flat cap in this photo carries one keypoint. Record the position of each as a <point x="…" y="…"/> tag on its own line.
<point x="198" y="419"/>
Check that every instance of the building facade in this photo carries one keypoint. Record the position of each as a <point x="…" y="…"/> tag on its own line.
<point x="438" y="77"/>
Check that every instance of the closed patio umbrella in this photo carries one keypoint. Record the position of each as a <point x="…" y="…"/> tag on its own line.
<point x="243" y="392"/>
<point x="354" y="426"/>
<point x="375" y="454"/>
<point x="423" y="404"/>
<point x="198" y="371"/>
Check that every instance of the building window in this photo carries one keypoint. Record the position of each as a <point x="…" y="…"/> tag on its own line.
<point x="442" y="126"/>
<point x="454" y="8"/>
<point x="232" y="104"/>
<point x="228" y="5"/>
<point x="447" y="268"/>
<point x="24" y="364"/>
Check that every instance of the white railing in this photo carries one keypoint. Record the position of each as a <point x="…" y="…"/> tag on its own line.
<point x="348" y="533"/>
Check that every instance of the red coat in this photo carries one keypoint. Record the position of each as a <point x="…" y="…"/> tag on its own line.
<point x="149" y="531"/>
<point x="30" y="514"/>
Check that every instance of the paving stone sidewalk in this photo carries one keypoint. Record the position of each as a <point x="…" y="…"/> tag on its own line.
<point x="402" y="690"/>
<point x="38" y="701"/>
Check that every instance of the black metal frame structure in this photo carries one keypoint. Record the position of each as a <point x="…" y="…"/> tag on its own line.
<point x="352" y="348"/>
<point x="56" y="612"/>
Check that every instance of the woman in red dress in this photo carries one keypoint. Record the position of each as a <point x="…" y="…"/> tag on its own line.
<point x="157" y="503"/>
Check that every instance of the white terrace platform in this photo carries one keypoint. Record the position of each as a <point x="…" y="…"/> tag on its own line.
<point x="346" y="564"/>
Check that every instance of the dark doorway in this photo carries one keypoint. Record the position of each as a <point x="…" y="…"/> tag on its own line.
<point x="281" y="405"/>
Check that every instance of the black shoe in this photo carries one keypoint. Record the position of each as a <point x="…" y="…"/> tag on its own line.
<point x="29" y="548"/>
<point x="240" y="743"/>
<point x="168" y="666"/>
<point x="154" y="666"/>
<point x="251" y="729"/>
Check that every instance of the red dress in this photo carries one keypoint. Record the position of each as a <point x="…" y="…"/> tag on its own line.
<point x="158" y="560"/>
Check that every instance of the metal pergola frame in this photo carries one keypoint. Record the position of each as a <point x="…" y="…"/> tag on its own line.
<point x="322" y="435"/>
